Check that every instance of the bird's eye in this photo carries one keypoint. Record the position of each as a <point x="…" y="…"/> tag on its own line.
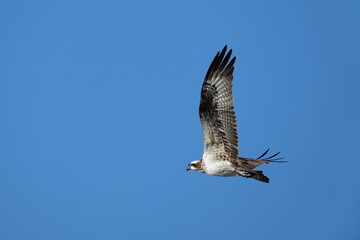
<point x="193" y="164"/>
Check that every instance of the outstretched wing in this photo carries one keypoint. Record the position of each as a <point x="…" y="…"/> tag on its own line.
<point x="216" y="110"/>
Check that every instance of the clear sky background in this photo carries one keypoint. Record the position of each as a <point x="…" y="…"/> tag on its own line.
<point x="99" y="118"/>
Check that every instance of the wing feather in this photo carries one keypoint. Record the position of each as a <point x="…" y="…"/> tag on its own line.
<point x="216" y="110"/>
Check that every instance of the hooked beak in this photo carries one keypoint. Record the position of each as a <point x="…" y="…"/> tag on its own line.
<point x="188" y="168"/>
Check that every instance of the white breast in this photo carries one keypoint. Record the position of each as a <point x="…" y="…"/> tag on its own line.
<point x="217" y="168"/>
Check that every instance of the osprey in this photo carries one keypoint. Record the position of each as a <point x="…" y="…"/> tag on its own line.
<point x="219" y="126"/>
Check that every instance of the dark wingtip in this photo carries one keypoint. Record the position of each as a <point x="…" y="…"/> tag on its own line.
<point x="264" y="153"/>
<point x="276" y="160"/>
<point x="224" y="49"/>
<point x="271" y="158"/>
<point x="220" y="65"/>
<point x="211" y="67"/>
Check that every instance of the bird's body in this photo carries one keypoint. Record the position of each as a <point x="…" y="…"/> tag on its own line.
<point x="218" y="164"/>
<point x="219" y="126"/>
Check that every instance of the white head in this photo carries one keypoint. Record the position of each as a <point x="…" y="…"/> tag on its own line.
<point x="195" y="165"/>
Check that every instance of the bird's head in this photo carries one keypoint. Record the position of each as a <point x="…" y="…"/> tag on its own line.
<point x="195" y="165"/>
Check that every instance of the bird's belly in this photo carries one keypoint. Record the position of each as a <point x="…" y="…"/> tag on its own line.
<point x="219" y="168"/>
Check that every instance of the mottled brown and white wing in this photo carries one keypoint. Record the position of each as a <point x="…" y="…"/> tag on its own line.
<point x="216" y="110"/>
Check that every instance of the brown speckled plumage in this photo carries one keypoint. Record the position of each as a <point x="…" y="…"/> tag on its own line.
<point x="219" y="125"/>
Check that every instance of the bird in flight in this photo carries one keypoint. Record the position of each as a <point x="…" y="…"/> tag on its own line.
<point x="218" y="121"/>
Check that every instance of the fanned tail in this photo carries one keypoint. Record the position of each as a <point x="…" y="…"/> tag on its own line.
<point x="257" y="175"/>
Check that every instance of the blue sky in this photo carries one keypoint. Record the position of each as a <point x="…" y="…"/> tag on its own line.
<point x="99" y="105"/>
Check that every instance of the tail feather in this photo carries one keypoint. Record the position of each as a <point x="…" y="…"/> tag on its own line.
<point x="258" y="175"/>
<point x="247" y="164"/>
